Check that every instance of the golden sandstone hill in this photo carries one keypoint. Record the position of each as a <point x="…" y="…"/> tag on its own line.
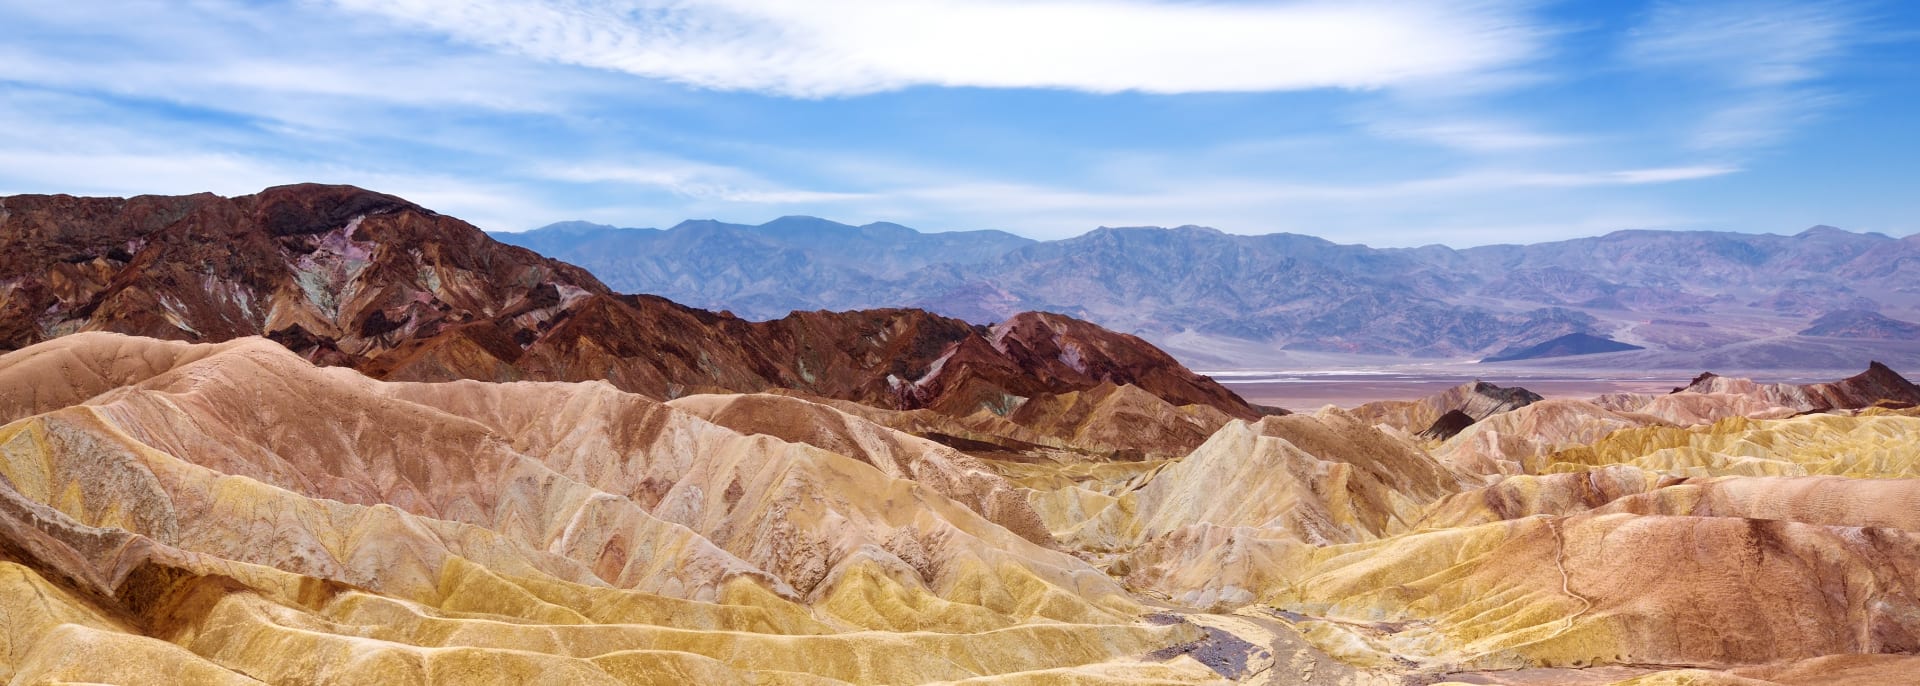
<point x="491" y="485"/>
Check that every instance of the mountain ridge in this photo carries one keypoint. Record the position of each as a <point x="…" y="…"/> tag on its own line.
<point x="1211" y="295"/>
<point x="349" y="277"/>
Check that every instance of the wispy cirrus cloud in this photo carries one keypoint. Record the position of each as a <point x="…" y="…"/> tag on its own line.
<point x="851" y="47"/>
<point x="1761" y="61"/>
<point x="1746" y="42"/>
<point x="1243" y="191"/>
<point x="1378" y="212"/>
<point x="693" y="180"/>
<point x="1367" y="121"/>
<point x="1482" y="135"/>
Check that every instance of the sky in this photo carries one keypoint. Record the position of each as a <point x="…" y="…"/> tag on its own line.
<point x="1462" y="122"/>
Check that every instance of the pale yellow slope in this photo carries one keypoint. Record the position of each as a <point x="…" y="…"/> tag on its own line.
<point x="1326" y="478"/>
<point x="808" y="516"/>
<point x="71" y="369"/>
<point x="1506" y="443"/>
<point x="1873" y="443"/>
<point x="369" y="533"/>
<point x="899" y="455"/>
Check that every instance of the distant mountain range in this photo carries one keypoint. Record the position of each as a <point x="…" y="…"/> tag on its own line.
<point x="765" y="271"/>
<point x="1814" y="300"/>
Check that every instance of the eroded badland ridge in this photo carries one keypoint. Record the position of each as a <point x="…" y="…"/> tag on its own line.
<point x="324" y="435"/>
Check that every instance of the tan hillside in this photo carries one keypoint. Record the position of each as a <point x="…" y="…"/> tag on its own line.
<point x="233" y="511"/>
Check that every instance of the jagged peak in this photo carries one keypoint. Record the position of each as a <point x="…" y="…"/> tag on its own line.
<point x="1878" y="373"/>
<point x="1697" y="382"/>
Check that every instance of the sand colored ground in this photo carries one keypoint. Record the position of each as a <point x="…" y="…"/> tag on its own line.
<point x="1601" y="537"/>
<point x="230" y="513"/>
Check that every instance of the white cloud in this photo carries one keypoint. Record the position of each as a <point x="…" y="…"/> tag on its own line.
<point x="1758" y="119"/>
<point x="1480" y="136"/>
<point x="56" y="144"/>
<point x="1748" y="43"/>
<point x="307" y="67"/>
<point x="1760" y="61"/>
<point x="1201" y="192"/>
<point x="186" y="171"/>
<point x="846" y="47"/>
<point x="107" y="173"/>
<point x="1624" y="177"/>
<point x="1471" y="204"/>
<point x="691" y="180"/>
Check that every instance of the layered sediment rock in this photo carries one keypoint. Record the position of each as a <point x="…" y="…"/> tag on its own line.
<point x="232" y="512"/>
<point x="1472" y="401"/>
<point x="350" y="277"/>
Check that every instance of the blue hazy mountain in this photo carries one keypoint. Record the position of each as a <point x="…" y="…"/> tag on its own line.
<point x="764" y="271"/>
<point x="1229" y="299"/>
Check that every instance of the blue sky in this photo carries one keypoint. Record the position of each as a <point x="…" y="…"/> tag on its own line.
<point x="1390" y="123"/>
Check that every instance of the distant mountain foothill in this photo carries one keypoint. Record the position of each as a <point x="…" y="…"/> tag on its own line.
<point x="1667" y="299"/>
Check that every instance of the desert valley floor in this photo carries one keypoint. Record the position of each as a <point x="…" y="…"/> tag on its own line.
<point x="320" y="435"/>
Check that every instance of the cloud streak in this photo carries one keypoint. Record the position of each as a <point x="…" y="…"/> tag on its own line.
<point x="1764" y="58"/>
<point x="1750" y="44"/>
<point x="852" y="47"/>
<point x="693" y="180"/>
<point x="1471" y="135"/>
<point x="1367" y="121"/>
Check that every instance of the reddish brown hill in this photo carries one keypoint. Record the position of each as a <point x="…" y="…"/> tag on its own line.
<point x="1878" y="385"/>
<point x="350" y="277"/>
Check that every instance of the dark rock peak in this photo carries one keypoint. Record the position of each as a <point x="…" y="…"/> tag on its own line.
<point x="1448" y="426"/>
<point x="309" y="208"/>
<point x="1880" y="383"/>
<point x="1512" y="396"/>
<point x="1697" y="382"/>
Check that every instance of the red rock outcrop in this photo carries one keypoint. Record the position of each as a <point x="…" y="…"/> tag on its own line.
<point x="345" y="276"/>
<point x="1878" y="385"/>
